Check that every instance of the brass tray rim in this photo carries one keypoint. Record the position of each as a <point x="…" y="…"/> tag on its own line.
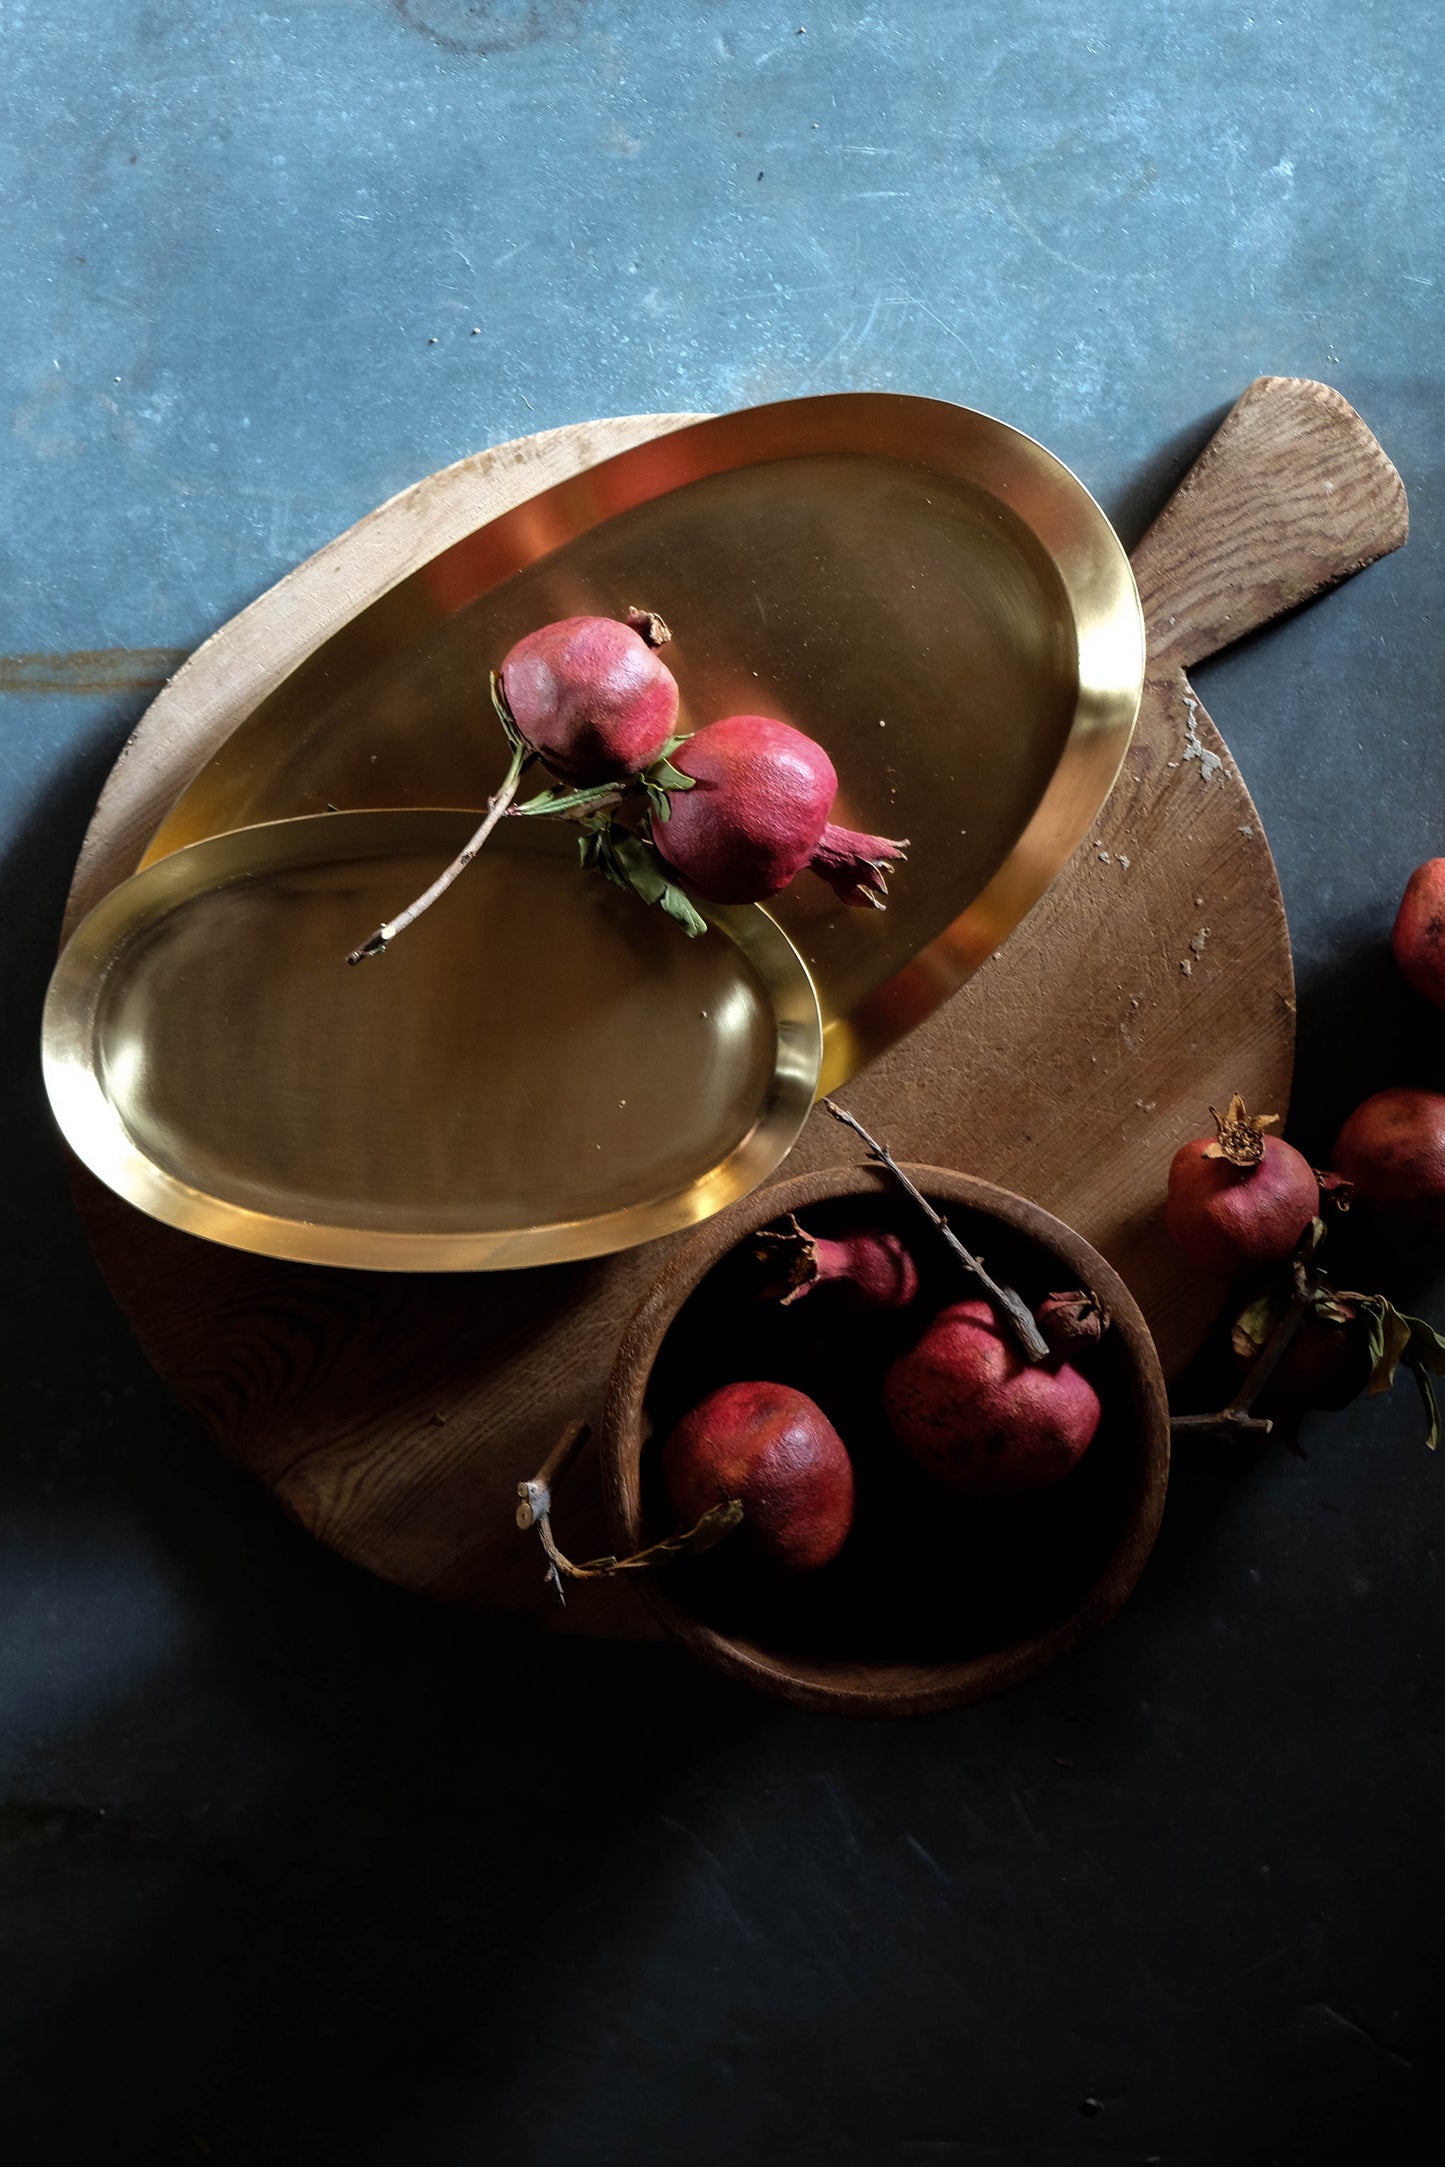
<point x="91" y="1124"/>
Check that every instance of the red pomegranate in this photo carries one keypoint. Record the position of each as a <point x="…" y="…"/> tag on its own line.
<point x="968" y="1407"/>
<point x="592" y="695"/>
<point x="776" y="1450"/>
<point x="1392" y="1150"/>
<point x="1239" y="1200"/>
<point x="1418" y="938"/>
<point x="758" y="813"/>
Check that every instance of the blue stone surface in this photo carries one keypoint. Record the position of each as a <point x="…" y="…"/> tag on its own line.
<point x="294" y="1869"/>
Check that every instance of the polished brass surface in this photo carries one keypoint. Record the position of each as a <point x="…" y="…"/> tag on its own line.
<point x="544" y="1070"/>
<point x="929" y="593"/>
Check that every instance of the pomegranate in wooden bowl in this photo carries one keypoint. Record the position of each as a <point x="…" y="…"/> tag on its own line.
<point x="968" y="1550"/>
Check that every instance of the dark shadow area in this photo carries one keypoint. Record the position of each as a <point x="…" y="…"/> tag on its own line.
<point x="1361" y="1029"/>
<point x="56" y="1292"/>
<point x="343" y="1847"/>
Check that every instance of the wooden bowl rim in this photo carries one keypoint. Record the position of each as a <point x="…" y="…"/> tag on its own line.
<point x="885" y="1689"/>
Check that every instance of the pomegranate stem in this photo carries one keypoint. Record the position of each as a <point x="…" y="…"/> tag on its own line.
<point x="535" y="1510"/>
<point x="1014" y="1307"/>
<point x="1226" y="1420"/>
<point x="1274" y="1348"/>
<point x="497" y="804"/>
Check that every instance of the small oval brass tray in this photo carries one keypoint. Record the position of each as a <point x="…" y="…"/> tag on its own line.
<point x="544" y="1070"/>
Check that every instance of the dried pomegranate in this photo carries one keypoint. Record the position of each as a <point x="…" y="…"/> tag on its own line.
<point x="1073" y="1322"/>
<point x="759" y="814"/>
<point x="1392" y="1151"/>
<point x="1419" y="931"/>
<point x="871" y="1266"/>
<point x="1239" y="1200"/>
<point x="776" y="1450"/>
<point x="968" y="1407"/>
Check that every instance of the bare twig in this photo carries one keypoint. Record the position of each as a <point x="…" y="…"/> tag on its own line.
<point x="536" y="1495"/>
<point x="497" y="804"/>
<point x="1014" y="1307"/>
<point x="1237" y="1416"/>
<point x="535" y="1509"/>
<point x="1228" y="1418"/>
<point x="1257" y="1376"/>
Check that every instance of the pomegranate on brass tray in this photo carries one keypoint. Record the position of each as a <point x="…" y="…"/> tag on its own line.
<point x="737" y="809"/>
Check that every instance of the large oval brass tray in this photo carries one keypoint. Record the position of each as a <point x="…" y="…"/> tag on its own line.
<point x="546" y="1071"/>
<point x="925" y="590"/>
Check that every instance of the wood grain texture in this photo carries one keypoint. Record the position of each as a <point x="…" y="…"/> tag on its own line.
<point x="1292" y="495"/>
<point x="394" y="1416"/>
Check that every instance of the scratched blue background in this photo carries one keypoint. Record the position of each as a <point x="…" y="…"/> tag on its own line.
<point x="296" y="1870"/>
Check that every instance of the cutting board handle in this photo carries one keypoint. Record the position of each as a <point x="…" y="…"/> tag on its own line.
<point x="1292" y="495"/>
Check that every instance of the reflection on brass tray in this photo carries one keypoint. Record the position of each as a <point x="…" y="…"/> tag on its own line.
<point x="545" y="1072"/>
<point x="928" y="593"/>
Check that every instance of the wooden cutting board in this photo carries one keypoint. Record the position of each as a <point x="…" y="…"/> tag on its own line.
<point x="393" y="1416"/>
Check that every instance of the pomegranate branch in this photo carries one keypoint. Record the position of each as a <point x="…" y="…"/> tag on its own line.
<point x="1014" y="1307"/>
<point x="497" y="805"/>
<point x="535" y="1510"/>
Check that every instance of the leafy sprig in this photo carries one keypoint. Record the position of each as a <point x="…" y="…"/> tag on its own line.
<point x="662" y="777"/>
<point x="630" y="862"/>
<point x="1389" y="1338"/>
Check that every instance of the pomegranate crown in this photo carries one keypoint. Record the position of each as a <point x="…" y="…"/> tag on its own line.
<point x="1241" y="1135"/>
<point x="791" y="1255"/>
<point x="648" y="626"/>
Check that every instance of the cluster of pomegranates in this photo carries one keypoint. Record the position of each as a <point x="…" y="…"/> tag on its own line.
<point x="737" y="809"/>
<point x="743" y="805"/>
<point x="1244" y="1203"/>
<point x="961" y="1401"/>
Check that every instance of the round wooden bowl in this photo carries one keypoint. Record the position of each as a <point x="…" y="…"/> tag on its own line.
<point x="937" y="1599"/>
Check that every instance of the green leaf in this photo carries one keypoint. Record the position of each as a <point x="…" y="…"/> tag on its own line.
<point x="505" y="716"/>
<point x="677" y="906"/>
<point x="639" y="867"/>
<point x="1427" y="1346"/>
<point x="1424" y="1352"/>
<point x="665" y="776"/>
<point x="1254" y="1326"/>
<point x="561" y="799"/>
<point x="1432" y="1405"/>
<point x="1395" y="1331"/>
<point x="1372" y="1308"/>
<point x="658" y="801"/>
<point x="1394" y="1339"/>
<point x="630" y="862"/>
<point x="609" y="868"/>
